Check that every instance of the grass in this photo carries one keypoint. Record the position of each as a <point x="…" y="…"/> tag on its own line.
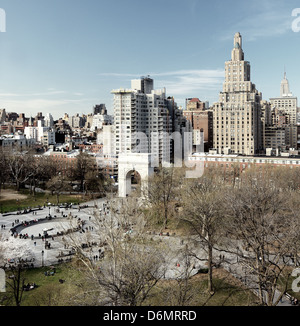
<point x="39" y="199"/>
<point x="51" y="292"/>
<point x="228" y="292"/>
<point x="286" y="278"/>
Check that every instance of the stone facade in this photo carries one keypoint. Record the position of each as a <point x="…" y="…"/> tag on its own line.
<point x="237" y="116"/>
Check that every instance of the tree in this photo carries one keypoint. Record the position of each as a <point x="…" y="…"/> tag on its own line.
<point x="201" y="212"/>
<point x="97" y="183"/>
<point x="294" y="228"/>
<point x="3" y="168"/>
<point x="20" y="167"/>
<point x="161" y="193"/>
<point x="58" y="184"/>
<point x="130" y="268"/>
<point x="259" y="231"/>
<point x="183" y="292"/>
<point x="84" y="165"/>
<point x="44" y="168"/>
<point x="15" y="256"/>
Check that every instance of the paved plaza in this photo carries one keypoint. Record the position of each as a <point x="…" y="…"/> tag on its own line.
<point x="41" y="230"/>
<point x="30" y="228"/>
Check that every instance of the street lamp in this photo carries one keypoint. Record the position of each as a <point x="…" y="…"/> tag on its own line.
<point x="42" y="258"/>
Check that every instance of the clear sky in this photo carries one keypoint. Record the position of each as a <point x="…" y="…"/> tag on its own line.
<point x="67" y="55"/>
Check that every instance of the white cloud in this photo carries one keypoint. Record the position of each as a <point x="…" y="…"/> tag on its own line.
<point x="184" y="83"/>
<point x="192" y="82"/>
<point x="265" y="19"/>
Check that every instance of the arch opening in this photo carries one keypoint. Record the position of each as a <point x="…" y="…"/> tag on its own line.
<point x="133" y="182"/>
<point x="134" y="169"/>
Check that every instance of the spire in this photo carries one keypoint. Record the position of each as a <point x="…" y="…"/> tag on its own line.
<point x="237" y="52"/>
<point x="237" y="42"/>
<point x="285" y="87"/>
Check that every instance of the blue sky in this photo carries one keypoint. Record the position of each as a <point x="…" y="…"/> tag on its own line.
<point x="67" y="55"/>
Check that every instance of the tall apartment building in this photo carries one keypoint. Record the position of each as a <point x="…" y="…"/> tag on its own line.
<point x="237" y="116"/>
<point x="281" y="131"/>
<point x="100" y="109"/>
<point x="144" y="119"/>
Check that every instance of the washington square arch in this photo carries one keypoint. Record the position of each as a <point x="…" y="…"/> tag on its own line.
<point x="133" y="162"/>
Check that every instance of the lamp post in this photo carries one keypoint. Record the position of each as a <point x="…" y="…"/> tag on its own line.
<point x="42" y="258"/>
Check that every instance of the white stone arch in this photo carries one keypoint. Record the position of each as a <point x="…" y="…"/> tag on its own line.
<point x="127" y="163"/>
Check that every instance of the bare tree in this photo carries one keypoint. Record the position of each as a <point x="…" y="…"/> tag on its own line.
<point x="294" y="228"/>
<point x="129" y="267"/>
<point x="182" y="292"/>
<point x="83" y="166"/>
<point x="15" y="257"/>
<point x="259" y="232"/>
<point x="162" y="191"/>
<point x="3" y="168"/>
<point x="97" y="183"/>
<point x="57" y="185"/>
<point x="44" y="168"/>
<point x="201" y="212"/>
<point x="20" y="167"/>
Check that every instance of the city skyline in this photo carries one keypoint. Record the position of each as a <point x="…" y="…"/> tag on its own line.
<point x="65" y="57"/>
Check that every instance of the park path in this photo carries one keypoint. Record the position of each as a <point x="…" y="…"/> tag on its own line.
<point x="174" y="242"/>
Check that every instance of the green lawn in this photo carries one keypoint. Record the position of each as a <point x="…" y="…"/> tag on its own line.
<point x="39" y="199"/>
<point x="227" y="293"/>
<point x="287" y="278"/>
<point x="51" y="292"/>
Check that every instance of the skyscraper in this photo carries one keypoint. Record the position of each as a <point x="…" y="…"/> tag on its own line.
<point x="237" y="116"/>
<point x="286" y="102"/>
<point x="142" y="119"/>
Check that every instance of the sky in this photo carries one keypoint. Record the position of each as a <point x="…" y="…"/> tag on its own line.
<point x="65" y="56"/>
